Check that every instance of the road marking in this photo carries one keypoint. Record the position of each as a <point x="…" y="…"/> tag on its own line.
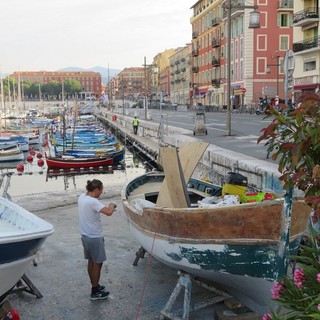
<point x="251" y="136"/>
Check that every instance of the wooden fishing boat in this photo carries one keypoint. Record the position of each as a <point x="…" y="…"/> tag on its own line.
<point x="67" y="162"/>
<point x="21" y="235"/>
<point x="240" y="248"/>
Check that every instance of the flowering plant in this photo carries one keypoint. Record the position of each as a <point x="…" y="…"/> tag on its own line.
<point x="295" y="140"/>
<point x="300" y="294"/>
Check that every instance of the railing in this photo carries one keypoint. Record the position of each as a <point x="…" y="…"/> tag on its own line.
<point x="306" y="44"/>
<point x="195" y="53"/>
<point x="308" y="13"/>
<point x="215" y="82"/>
<point x="215" y="42"/>
<point x="215" y="21"/>
<point x="195" y="69"/>
<point x="215" y="62"/>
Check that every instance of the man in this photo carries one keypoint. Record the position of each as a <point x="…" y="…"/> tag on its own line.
<point x="91" y="232"/>
<point x="135" y="124"/>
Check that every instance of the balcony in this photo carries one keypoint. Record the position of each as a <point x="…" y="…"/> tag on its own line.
<point x="195" y="86"/>
<point x="215" y="42"/>
<point x="195" y="34"/>
<point x="311" y="43"/>
<point x="215" y="83"/>
<point x="285" y="4"/>
<point x="305" y="17"/>
<point x="195" y="69"/>
<point x="215" y="62"/>
<point x="215" y="22"/>
<point x="195" y="52"/>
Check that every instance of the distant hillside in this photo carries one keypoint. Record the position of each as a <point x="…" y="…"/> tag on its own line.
<point x="103" y="71"/>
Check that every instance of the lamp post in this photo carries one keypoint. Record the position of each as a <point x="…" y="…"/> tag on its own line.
<point x="253" y="23"/>
<point x="275" y="65"/>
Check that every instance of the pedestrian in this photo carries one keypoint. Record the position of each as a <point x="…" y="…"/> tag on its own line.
<point x="91" y="230"/>
<point x="135" y="124"/>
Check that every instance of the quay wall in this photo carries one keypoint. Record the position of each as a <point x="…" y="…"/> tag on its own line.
<point x="216" y="161"/>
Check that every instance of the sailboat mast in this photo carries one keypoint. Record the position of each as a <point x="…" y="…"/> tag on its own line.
<point x="19" y="94"/>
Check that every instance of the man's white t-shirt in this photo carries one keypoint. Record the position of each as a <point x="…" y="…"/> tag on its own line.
<point x="90" y="216"/>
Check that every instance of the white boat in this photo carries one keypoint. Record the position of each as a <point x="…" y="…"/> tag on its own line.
<point x="12" y="154"/>
<point x="21" y="235"/>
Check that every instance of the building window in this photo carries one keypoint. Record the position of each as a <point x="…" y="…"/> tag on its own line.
<point x="284" y="20"/>
<point x="309" y="65"/>
<point x="284" y="43"/>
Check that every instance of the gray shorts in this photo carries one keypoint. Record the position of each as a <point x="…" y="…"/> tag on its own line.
<point x="94" y="249"/>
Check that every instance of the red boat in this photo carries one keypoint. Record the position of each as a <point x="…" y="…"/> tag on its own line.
<point x="73" y="162"/>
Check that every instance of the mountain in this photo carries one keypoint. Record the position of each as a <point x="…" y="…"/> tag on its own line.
<point x="103" y="71"/>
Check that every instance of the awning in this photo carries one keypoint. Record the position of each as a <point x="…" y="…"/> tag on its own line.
<point x="306" y="86"/>
<point x="310" y="26"/>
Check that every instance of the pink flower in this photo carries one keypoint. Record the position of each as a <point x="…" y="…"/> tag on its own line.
<point x="318" y="277"/>
<point x="267" y="316"/>
<point x="277" y="287"/>
<point x="319" y="307"/>
<point x="298" y="277"/>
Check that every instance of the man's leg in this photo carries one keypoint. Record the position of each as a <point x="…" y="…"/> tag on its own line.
<point x="94" y="270"/>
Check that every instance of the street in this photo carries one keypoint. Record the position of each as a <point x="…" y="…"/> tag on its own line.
<point x="245" y="128"/>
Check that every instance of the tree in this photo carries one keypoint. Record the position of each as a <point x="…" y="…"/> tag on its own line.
<point x="294" y="138"/>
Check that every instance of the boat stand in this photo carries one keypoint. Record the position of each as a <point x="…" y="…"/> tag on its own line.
<point x="25" y="284"/>
<point x="139" y="254"/>
<point x="185" y="282"/>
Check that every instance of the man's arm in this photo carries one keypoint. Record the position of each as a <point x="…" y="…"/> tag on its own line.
<point x="108" y="211"/>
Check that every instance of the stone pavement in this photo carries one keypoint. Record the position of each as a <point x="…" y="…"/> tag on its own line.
<point x="61" y="274"/>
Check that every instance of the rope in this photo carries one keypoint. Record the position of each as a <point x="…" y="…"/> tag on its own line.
<point x="148" y="269"/>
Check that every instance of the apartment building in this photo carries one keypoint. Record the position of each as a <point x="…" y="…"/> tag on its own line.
<point x="180" y="71"/>
<point x="256" y="54"/>
<point x="90" y="81"/>
<point x="130" y="83"/>
<point x="306" y="47"/>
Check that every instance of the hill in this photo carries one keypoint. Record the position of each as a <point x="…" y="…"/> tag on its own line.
<point x="103" y="71"/>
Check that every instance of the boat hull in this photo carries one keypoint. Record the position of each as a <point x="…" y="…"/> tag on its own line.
<point x="22" y="235"/>
<point x="238" y="247"/>
<point x="61" y="163"/>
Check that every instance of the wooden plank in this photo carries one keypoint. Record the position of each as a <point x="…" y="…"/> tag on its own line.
<point x="189" y="154"/>
<point x="176" y="189"/>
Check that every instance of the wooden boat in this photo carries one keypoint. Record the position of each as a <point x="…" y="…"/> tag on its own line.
<point x="67" y="162"/>
<point x="116" y="153"/>
<point x="21" y="235"/>
<point x="11" y="154"/>
<point x="239" y="248"/>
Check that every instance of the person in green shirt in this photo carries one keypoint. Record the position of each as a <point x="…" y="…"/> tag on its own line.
<point x="135" y="124"/>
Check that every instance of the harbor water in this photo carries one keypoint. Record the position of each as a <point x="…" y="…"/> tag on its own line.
<point x="37" y="180"/>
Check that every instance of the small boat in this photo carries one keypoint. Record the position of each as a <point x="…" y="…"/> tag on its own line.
<point x="13" y="153"/>
<point x="21" y="235"/>
<point x="238" y="247"/>
<point x="67" y="162"/>
<point x="117" y="153"/>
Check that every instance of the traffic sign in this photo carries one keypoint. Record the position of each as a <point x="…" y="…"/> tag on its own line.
<point x="244" y="90"/>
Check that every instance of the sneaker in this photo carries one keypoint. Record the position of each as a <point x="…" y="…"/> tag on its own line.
<point x="99" y="295"/>
<point x="100" y="288"/>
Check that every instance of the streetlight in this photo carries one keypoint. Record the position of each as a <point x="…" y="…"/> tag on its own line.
<point x="275" y="65"/>
<point x="253" y="23"/>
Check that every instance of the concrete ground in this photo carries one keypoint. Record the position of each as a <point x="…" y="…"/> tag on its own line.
<point x="139" y="292"/>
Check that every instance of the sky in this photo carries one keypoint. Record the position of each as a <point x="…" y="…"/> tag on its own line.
<point x="50" y="35"/>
